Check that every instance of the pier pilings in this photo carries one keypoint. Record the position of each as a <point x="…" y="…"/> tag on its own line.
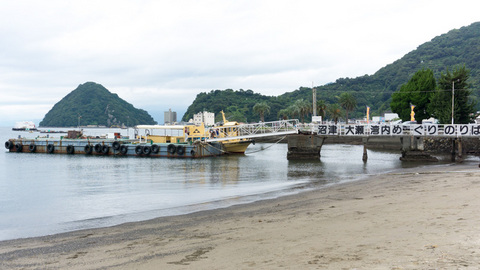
<point x="304" y="146"/>
<point x="365" y="154"/>
<point x="413" y="149"/>
<point x="457" y="150"/>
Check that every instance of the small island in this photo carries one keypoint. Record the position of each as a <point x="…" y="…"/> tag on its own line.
<point x="91" y="104"/>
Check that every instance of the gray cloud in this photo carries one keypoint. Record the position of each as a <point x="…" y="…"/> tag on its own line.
<point x="161" y="54"/>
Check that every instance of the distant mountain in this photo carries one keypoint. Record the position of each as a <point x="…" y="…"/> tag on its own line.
<point x="458" y="47"/>
<point x="93" y="104"/>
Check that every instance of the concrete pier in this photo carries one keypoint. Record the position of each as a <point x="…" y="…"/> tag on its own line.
<point x="413" y="150"/>
<point x="304" y="146"/>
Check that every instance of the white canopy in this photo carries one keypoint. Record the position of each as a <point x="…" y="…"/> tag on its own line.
<point x="159" y="127"/>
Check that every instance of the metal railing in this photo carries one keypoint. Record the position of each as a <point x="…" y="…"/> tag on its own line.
<point x="263" y="129"/>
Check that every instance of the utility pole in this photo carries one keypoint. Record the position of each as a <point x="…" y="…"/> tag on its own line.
<point x="79" y="117"/>
<point x="453" y="98"/>
<point x="314" y="93"/>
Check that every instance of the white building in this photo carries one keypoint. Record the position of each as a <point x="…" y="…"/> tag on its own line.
<point x="378" y="119"/>
<point x="207" y="118"/>
<point x="390" y="116"/>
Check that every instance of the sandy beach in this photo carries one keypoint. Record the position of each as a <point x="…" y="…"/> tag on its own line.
<point x="423" y="218"/>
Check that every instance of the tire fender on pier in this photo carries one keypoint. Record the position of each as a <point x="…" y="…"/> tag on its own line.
<point x="18" y="147"/>
<point x="98" y="148"/>
<point x="138" y="150"/>
<point x="8" y="145"/>
<point x="32" y="147"/>
<point x="147" y="150"/>
<point x="171" y="148"/>
<point x="50" y="148"/>
<point x="116" y="146"/>
<point x="70" y="149"/>
<point x="123" y="149"/>
<point x="180" y="150"/>
<point x="155" y="148"/>
<point x="105" y="149"/>
<point x="88" y="149"/>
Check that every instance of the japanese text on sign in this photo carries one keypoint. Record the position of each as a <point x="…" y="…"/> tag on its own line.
<point x="459" y="130"/>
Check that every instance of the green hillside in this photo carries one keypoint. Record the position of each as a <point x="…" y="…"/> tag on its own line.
<point x="458" y="47"/>
<point x="93" y="104"/>
<point x="237" y="105"/>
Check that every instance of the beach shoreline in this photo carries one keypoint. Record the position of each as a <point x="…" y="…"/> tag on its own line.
<point x="414" y="218"/>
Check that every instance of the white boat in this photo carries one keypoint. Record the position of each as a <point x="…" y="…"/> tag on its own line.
<point x="25" y="125"/>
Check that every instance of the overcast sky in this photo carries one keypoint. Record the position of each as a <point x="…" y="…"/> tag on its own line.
<point x="158" y="55"/>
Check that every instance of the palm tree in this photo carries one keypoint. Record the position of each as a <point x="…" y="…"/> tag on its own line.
<point x="322" y="108"/>
<point x="303" y="108"/>
<point x="348" y="102"/>
<point x="335" y="112"/>
<point x="261" y="108"/>
<point x="293" y="111"/>
<point x="284" y="113"/>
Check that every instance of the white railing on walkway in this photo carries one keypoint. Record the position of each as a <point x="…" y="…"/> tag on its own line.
<point x="256" y="130"/>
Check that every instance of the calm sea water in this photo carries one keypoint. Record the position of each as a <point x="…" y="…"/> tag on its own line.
<point x="43" y="194"/>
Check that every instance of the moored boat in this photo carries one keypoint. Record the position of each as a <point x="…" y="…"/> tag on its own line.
<point x="189" y="134"/>
<point x="24" y="126"/>
<point x="230" y="130"/>
<point x="238" y="146"/>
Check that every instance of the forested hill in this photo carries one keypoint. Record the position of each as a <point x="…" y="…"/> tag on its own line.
<point x="458" y="47"/>
<point x="93" y="104"/>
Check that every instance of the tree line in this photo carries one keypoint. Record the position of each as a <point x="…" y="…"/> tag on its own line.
<point x="428" y="97"/>
<point x="303" y="109"/>
<point x="447" y="99"/>
<point x="247" y="106"/>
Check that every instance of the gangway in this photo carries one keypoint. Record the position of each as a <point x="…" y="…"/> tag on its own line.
<point x="256" y="130"/>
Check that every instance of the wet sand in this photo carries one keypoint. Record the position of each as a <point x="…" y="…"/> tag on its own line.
<point x="424" y="218"/>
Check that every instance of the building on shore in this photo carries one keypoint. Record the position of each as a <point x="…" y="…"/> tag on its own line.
<point x="207" y="118"/>
<point x="170" y="117"/>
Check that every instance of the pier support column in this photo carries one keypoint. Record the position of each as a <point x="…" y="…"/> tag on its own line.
<point x="453" y="153"/>
<point x="365" y="154"/>
<point x="460" y="150"/>
<point x="304" y="146"/>
<point x="413" y="150"/>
